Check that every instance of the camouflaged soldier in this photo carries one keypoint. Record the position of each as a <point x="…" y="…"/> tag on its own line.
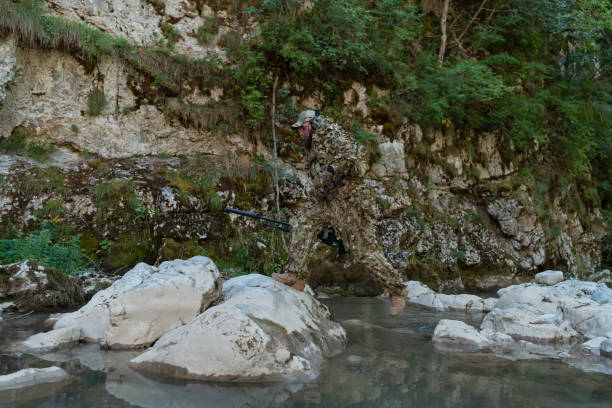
<point x="337" y="165"/>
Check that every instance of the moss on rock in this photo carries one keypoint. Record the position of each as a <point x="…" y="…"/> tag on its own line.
<point x="35" y="287"/>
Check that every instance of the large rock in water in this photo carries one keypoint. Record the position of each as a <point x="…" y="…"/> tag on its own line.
<point x="549" y="277"/>
<point x="263" y="331"/>
<point x="144" y="304"/>
<point x="454" y="331"/>
<point x="32" y="376"/>
<point x="31" y="286"/>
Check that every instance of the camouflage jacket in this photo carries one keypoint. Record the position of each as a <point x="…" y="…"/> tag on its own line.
<point x="335" y="158"/>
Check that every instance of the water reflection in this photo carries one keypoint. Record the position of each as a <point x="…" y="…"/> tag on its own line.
<point x="388" y="363"/>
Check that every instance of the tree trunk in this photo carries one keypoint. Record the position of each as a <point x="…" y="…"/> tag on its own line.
<point x="443" y="29"/>
<point x="276" y="188"/>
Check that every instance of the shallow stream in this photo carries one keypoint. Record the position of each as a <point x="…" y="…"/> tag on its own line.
<point x="388" y="363"/>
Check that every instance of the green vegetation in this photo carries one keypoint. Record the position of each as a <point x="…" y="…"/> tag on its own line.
<point x="14" y="143"/>
<point x="46" y="246"/>
<point x="39" y="180"/>
<point x="96" y="102"/>
<point x="368" y="140"/>
<point x="208" y="29"/>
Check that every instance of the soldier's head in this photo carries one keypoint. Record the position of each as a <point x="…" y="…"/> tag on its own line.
<point x="306" y="123"/>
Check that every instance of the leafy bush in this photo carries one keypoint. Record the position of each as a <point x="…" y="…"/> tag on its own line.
<point x="44" y="246"/>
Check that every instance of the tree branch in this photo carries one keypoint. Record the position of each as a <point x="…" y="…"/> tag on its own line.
<point x="472" y="20"/>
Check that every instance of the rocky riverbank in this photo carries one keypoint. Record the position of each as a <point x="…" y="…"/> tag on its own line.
<point x="550" y="317"/>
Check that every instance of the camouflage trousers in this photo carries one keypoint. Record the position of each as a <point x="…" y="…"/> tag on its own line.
<point x="350" y="221"/>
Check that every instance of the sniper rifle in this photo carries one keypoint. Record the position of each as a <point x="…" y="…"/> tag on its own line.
<point x="327" y="236"/>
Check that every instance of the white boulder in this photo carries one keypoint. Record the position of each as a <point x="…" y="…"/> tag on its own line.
<point x="52" y="340"/>
<point x="521" y="323"/>
<point x="549" y="277"/>
<point x="592" y="346"/>
<point x="605" y="348"/>
<point x="421" y="296"/>
<point x="263" y="331"/>
<point x="146" y="303"/>
<point x="456" y="332"/>
<point x="462" y="303"/>
<point x="32" y="376"/>
<point x="602" y="295"/>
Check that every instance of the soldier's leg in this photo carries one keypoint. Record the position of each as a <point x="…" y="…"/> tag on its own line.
<point x="304" y="230"/>
<point x="362" y="243"/>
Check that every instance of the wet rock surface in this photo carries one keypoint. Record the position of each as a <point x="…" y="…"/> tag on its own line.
<point x="29" y="377"/>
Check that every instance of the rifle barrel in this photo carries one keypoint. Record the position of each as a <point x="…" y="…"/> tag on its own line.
<point x="279" y="227"/>
<point x="253" y="215"/>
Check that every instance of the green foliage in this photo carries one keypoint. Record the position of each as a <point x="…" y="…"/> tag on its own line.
<point x="46" y="247"/>
<point x="476" y="218"/>
<point x="368" y="140"/>
<point x="41" y="153"/>
<point x="253" y="85"/>
<point x="15" y="142"/>
<point x="96" y="102"/>
<point x="53" y="209"/>
<point x="39" y="180"/>
<point x="170" y="33"/>
<point x="208" y="29"/>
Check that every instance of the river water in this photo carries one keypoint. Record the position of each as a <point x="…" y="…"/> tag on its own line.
<point x="388" y="363"/>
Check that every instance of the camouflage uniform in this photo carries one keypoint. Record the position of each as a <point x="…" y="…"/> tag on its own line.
<point x="339" y="200"/>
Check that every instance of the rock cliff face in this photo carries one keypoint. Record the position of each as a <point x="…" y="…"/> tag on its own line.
<point x="449" y="208"/>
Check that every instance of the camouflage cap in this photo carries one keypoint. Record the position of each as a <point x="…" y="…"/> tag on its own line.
<point x="304" y="117"/>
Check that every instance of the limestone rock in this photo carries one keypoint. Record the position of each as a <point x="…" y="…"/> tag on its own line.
<point x="263" y="331"/>
<point x="392" y="161"/>
<point x="602" y="295"/>
<point x="605" y="348"/>
<point x="521" y="323"/>
<point x="52" y="340"/>
<point x="590" y="319"/>
<point x="603" y="276"/>
<point x="32" y="286"/>
<point x="549" y="277"/>
<point x="457" y="332"/>
<point x="134" y="19"/>
<point x="32" y="376"/>
<point x="506" y="213"/>
<point x="146" y="303"/>
<point x="8" y="63"/>
<point x="462" y="303"/>
<point x="50" y="92"/>
<point x="421" y="296"/>
<point x="592" y="346"/>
